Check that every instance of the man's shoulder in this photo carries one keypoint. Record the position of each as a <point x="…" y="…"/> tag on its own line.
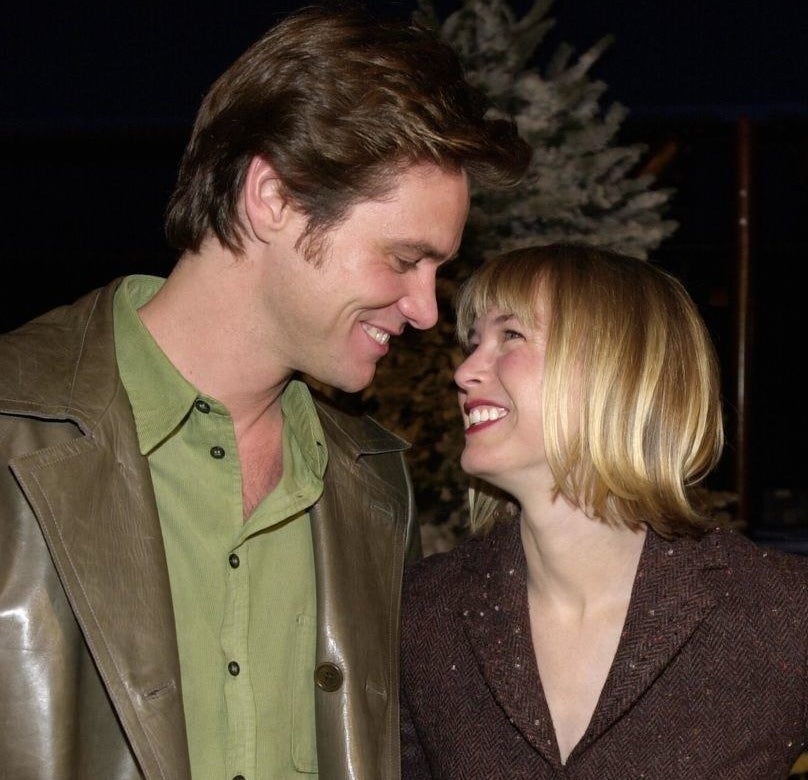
<point x="41" y="362"/>
<point x="61" y="326"/>
<point x="359" y="431"/>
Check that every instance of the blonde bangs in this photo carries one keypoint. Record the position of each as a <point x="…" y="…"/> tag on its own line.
<point x="508" y="283"/>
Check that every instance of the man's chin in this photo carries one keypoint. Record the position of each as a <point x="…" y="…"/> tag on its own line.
<point x="355" y="385"/>
<point x="347" y="384"/>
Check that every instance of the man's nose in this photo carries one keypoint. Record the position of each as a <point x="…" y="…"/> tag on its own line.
<point x="420" y="305"/>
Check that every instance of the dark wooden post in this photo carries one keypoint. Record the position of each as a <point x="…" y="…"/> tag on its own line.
<point x="743" y="316"/>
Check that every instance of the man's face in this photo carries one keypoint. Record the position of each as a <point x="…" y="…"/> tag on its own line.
<point x="334" y="319"/>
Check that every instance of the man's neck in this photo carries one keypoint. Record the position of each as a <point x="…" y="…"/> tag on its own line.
<point x="200" y="319"/>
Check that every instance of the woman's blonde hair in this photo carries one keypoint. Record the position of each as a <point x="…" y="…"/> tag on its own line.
<point x="631" y="392"/>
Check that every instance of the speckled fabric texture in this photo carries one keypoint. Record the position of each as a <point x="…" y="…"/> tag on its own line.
<point x="709" y="679"/>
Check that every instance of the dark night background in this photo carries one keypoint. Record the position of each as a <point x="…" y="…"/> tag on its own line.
<point x="98" y="100"/>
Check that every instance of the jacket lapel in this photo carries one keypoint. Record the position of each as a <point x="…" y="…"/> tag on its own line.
<point x="670" y="598"/>
<point x="92" y="495"/>
<point x="497" y="625"/>
<point x="359" y="535"/>
<point x="100" y="521"/>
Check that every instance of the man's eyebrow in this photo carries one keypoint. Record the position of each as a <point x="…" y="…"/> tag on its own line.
<point x="425" y="250"/>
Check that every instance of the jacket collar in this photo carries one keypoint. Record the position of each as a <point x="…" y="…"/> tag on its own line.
<point x="56" y="366"/>
<point x="660" y="620"/>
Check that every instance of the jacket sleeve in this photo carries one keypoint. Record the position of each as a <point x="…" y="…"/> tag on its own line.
<point x="414" y="549"/>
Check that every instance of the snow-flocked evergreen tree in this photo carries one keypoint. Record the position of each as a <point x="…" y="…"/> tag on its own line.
<point x="582" y="185"/>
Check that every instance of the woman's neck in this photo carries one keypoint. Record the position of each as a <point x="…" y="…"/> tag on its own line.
<point x="575" y="561"/>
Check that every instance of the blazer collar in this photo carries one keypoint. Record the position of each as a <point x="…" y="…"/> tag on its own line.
<point x="670" y="597"/>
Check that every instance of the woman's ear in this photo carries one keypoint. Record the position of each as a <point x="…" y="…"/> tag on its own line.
<point x="266" y="207"/>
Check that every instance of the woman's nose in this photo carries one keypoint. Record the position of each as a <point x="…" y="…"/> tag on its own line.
<point x="468" y="372"/>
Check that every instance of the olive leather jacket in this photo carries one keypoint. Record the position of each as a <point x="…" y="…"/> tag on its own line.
<point x="89" y="669"/>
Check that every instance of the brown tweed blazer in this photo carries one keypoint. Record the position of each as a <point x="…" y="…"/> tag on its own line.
<point x="708" y="683"/>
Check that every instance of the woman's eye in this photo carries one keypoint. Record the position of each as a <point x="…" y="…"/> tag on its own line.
<point x="512" y="334"/>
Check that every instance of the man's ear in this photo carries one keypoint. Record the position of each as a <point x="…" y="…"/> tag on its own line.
<point x="265" y="207"/>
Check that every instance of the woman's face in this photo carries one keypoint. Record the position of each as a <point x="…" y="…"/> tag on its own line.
<point x="499" y="391"/>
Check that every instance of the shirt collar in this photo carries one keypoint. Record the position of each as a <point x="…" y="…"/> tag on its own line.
<point x="302" y="422"/>
<point x="161" y="397"/>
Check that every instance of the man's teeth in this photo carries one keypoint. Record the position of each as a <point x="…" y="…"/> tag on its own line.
<point x="481" y="414"/>
<point x="381" y="336"/>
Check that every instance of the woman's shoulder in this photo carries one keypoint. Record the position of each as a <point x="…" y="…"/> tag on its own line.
<point x="442" y="577"/>
<point x="473" y="552"/>
<point x="428" y="572"/>
<point x="774" y="574"/>
<point x="741" y="548"/>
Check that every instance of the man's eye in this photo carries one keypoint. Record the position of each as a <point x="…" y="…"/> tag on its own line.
<point x="406" y="264"/>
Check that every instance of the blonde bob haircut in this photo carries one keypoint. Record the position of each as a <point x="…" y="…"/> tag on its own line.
<point x="631" y="392"/>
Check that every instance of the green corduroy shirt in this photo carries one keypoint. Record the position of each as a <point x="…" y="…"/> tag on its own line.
<point x="243" y="592"/>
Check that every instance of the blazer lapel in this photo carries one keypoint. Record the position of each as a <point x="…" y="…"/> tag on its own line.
<point x="497" y="624"/>
<point x="98" y="515"/>
<point x="669" y="600"/>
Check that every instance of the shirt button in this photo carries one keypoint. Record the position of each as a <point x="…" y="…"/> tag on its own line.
<point x="328" y="677"/>
<point x="217" y="452"/>
<point x="202" y="406"/>
<point x="234" y="561"/>
<point x="233" y="668"/>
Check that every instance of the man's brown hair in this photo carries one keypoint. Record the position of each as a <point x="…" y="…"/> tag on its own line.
<point x="339" y="102"/>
